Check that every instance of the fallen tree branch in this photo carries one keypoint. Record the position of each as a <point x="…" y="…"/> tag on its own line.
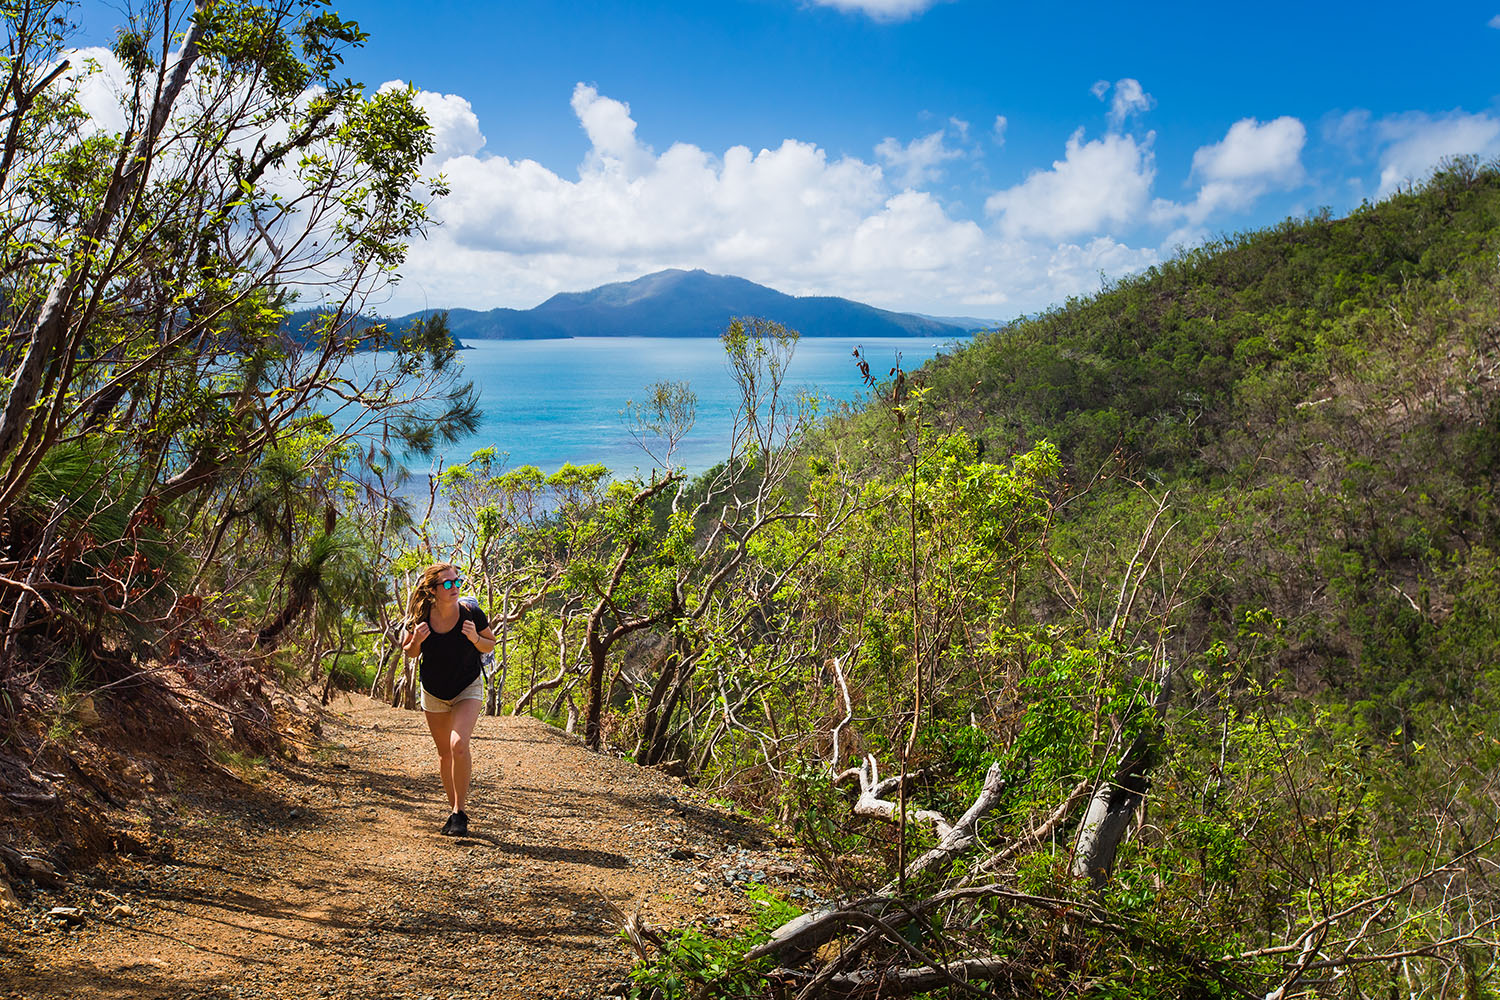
<point x="804" y="934"/>
<point x="32" y="798"/>
<point x="1039" y="833"/>
<point x="960" y="835"/>
<point x="1115" y="801"/>
<point x="810" y="930"/>
<point x="872" y="802"/>
<point x="904" y="982"/>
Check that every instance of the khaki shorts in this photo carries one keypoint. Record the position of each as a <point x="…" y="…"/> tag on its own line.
<point x="474" y="692"/>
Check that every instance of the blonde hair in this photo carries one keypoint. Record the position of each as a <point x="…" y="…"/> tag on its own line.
<point x="419" y="604"/>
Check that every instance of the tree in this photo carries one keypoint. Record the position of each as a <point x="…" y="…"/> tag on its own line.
<point x="667" y="547"/>
<point x="146" y="271"/>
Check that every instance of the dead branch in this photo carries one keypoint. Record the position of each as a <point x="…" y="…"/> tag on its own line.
<point x="960" y="835"/>
<point x="872" y="803"/>
<point x="904" y="982"/>
<point x="1117" y="798"/>
<point x="1039" y="833"/>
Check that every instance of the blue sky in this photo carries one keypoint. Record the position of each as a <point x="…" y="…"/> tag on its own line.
<point x="958" y="157"/>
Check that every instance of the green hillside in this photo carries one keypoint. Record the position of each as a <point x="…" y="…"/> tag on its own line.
<point x="1215" y="552"/>
<point x="1320" y="401"/>
<point x="1178" y="363"/>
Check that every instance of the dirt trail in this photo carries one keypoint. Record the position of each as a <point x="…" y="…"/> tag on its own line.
<point x="327" y="877"/>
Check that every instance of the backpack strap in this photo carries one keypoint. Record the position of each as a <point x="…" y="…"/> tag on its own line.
<point x="486" y="660"/>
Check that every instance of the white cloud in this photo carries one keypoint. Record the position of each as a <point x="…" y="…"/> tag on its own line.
<point x="919" y="161"/>
<point x="98" y="92"/>
<point x="1252" y="158"/>
<point x="1347" y="130"/>
<point x="611" y="130"/>
<point x="1494" y="22"/>
<point x="1252" y="151"/>
<point x="1097" y="184"/>
<point x="881" y="10"/>
<point x="1130" y="99"/>
<point x="514" y="232"/>
<point x="1412" y="144"/>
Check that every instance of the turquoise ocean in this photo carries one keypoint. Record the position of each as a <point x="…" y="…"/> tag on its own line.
<point x="547" y="402"/>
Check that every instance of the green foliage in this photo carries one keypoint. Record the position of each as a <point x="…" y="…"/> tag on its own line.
<point x="149" y="393"/>
<point x="1215" y="547"/>
<point x="1264" y="471"/>
<point x="697" y="966"/>
<point x="95" y="493"/>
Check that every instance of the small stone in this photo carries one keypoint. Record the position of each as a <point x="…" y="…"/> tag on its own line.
<point x="8" y="900"/>
<point x="294" y="814"/>
<point x="85" y="712"/>
<point x="119" y="910"/>
<point x="70" y="915"/>
<point x="43" y="872"/>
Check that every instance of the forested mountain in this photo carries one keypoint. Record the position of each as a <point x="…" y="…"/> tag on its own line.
<point x="679" y="303"/>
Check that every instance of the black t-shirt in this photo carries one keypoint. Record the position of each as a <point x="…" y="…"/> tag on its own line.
<point x="450" y="662"/>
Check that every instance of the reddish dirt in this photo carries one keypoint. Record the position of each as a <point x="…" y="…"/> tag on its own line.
<point x="326" y="876"/>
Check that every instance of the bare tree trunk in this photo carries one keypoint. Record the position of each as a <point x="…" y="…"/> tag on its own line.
<point x="644" y="754"/>
<point x="332" y="671"/>
<point x="497" y="687"/>
<point x="598" y="658"/>
<point x="297" y="602"/>
<point x="660" y="739"/>
<point x="1117" y="798"/>
<point x="404" y="694"/>
<point x="380" y="674"/>
<point x="1110" y="810"/>
<point x="905" y="982"/>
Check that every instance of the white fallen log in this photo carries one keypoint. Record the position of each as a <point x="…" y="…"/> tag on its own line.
<point x="961" y="835"/>
<point x="803" y="935"/>
<point x="872" y="800"/>
<point x="811" y="930"/>
<point x="1116" y="800"/>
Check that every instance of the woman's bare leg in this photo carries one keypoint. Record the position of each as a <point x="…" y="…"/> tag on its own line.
<point x="441" y="726"/>
<point x="463" y="718"/>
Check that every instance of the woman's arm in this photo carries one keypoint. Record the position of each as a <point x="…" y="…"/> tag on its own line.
<point x="411" y="641"/>
<point x="483" y="640"/>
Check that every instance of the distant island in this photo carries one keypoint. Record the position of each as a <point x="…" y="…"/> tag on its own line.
<point x="677" y="303"/>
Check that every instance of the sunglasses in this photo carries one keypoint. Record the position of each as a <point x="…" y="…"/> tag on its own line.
<point x="453" y="584"/>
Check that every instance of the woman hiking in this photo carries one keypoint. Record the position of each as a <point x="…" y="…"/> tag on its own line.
<point x="451" y="635"/>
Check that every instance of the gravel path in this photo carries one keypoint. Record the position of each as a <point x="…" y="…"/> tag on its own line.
<point x="327" y="877"/>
